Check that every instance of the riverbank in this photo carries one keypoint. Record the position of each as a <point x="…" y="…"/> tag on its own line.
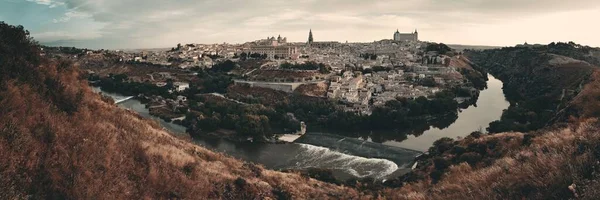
<point x="285" y="156"/>
<point x="291" y="156"/>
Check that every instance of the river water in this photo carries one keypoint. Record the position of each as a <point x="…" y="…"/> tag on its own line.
<point x="490" y="105"/>
<point x="348" y="157"/>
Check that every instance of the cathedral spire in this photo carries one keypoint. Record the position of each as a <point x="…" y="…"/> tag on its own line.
<point x="310" y="37"/>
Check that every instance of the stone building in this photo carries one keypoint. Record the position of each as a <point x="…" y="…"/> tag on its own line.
<point x="280" y="52"/>
<point x="413" y="37"/>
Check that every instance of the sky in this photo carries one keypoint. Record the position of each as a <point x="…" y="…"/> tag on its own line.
<point x="129" y="24"/>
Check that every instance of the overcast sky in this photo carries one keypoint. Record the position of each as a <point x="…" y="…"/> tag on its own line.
<point x="116" y="24"/>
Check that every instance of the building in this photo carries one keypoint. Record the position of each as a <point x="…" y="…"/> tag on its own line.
<point x="273" y="52"/>
<point x="324" y="44"/>
<point x="401" y="37"/>
<point x="286" y="87"/>
<point x="271" y="41"/>
<point x="181" y="86"/>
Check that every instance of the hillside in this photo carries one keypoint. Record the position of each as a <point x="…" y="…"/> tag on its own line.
<point x="553" y="91"/>
<point x="557" y="163"/>
<point x="554" y="154"/>
<point x="539" y="82"/>
<point x="61" y="141"/>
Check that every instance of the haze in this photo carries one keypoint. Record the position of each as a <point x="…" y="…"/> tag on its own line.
<point x="115" y="24"/>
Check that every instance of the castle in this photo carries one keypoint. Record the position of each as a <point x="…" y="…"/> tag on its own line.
<point x="406" y="36"/>
<point x="272" y="41"/>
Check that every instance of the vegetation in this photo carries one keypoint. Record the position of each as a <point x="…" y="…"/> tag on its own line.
<point x="391" y="122"/>
<point x="225" y="66"/>
<point x="376" y="69"/>
<point x="536" y="89"/>
<point x="245" y="56"/>
<point x="369" y="56"/>
<point x="477" y="77"/>
<point x="120" y="84"/>
<point x="59" y="140"/>
<point x="441" y="48"/>
<point x="210" y="113"/>
<point x="553" y="164"/>
<point x="324" y="69"/>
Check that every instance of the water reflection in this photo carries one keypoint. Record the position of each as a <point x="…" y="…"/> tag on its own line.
<point x="422" y="133"/>
<point x="489" y="107"/>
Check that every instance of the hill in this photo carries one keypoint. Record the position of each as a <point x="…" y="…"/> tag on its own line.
<point x="539" y="82"/>
<point x="59" y="140"/>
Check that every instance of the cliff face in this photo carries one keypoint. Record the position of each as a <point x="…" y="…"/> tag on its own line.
<point x="60" y="140"/>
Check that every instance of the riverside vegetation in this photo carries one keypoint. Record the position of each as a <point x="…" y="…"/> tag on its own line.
<point x="59" y="140"/>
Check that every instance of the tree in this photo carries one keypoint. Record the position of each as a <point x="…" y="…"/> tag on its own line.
<point x="255" y="126"/>
<point x="441" y="48"/>
<point x="226" y="66"/>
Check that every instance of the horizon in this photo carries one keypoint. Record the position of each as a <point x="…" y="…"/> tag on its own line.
<point x="133" y="24"/>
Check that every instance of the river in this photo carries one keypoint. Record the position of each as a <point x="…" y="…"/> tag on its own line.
<point x="490" y="105"/>
<point x="349" y="157"/>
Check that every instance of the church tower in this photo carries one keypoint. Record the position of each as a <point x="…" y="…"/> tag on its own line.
<point x="310" y="37"/>
<point x="416" y="35"/>
<point x="397" y="35"/>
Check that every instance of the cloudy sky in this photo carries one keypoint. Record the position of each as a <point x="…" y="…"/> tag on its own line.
<point x="116" y="24"/>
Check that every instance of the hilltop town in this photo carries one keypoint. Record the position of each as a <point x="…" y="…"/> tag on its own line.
<point x="357" y="78"/>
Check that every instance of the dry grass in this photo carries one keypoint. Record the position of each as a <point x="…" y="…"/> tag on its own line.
<point x="313" y="90"/>
<point x="586" y="103"/>
<point x="542" y="170"/>
<point x="102" y="152"/>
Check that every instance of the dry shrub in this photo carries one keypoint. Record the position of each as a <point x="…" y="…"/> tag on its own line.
<point x="586" y="102"/>
<point x="542" y="170"/>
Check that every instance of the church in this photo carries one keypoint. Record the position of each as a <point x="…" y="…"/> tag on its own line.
<point x="406" y="36"/>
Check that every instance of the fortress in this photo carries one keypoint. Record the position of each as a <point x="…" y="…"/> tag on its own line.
<point x="406" y="36"/>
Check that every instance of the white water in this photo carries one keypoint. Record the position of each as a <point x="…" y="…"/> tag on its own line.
<point x="319" y="157"/>
<point x="123" y="100"/>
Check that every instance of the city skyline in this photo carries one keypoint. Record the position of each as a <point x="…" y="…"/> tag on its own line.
<point x="113" y="24"/>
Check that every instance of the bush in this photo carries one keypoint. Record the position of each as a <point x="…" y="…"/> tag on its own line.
<point x="440" y="146"/>
<point x="472" y="158"/>
<point x="440" y="163"/>
<point x="436" y="176"/>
